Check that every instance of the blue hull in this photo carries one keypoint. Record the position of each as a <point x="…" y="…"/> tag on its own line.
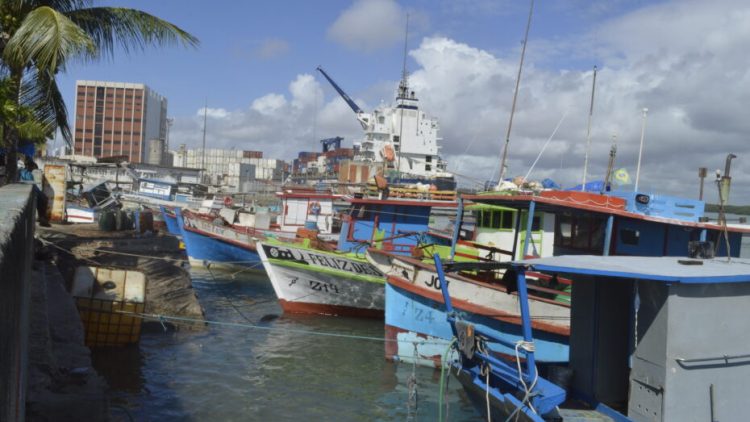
<point x="411" y="318"/>
<point x="173" y="226"/>
<point x="207" y="251"/>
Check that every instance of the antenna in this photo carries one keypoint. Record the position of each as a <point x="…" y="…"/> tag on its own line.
<point x="588" y="133"/>
<point x="403" y="92"/>
<point x="515" y="95"/>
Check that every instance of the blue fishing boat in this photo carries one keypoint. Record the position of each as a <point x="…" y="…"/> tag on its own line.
<point x="205" y="249"/>
<point x="652" y="338"/>
<point x="226" y="237"/>
<point x="170" y="220"/>
<point x="509" y="227"/>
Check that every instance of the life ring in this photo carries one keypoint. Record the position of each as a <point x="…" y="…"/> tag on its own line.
<point x="389" y="153"/>
<point x="313" y="208"/>
<point x="228" y="201"/>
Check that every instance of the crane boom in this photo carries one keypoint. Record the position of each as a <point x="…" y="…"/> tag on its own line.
<point x="341" y="92"/>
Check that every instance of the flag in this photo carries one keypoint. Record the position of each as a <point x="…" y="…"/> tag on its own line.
<point x="622" y="177"/>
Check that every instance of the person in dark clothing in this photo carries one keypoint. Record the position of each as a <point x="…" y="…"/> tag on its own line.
<point x="25" y="175"/>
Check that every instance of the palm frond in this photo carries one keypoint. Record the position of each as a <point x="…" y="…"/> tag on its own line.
<point x="47" y="38"/>
<point x="40" y="94"/>
<point x="129" y="28"/>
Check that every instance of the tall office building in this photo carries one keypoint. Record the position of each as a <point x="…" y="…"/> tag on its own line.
<point x="117" y="118"/>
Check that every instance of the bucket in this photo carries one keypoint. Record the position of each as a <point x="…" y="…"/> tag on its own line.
<point x="311" y="225"/>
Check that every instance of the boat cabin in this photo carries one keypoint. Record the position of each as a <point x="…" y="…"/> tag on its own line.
<point x="652" y="338"/>
<point x="578" y="223"/>
<point x="394" y="225"/>
<point x="307" y="209"/>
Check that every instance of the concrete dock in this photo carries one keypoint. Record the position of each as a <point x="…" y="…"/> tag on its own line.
<point x="46" y="372"/>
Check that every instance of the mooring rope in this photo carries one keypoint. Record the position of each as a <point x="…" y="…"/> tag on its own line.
<point x="189" y="321"/>
<point x="443" y="384"/>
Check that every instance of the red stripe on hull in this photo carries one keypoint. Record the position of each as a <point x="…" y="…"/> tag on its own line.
<point x="464" y="305"/>
<point x="325" y="309"/>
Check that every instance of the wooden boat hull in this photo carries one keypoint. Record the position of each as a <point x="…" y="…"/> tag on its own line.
<point x="416" y="326"/>
<point x="318" y="282"/>
<point x="216" y="247"/>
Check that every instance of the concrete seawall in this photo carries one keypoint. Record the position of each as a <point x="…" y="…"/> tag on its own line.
<point x="17" y="212"/>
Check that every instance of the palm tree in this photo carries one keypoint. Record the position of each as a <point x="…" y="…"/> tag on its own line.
<point x="39" y="37"/>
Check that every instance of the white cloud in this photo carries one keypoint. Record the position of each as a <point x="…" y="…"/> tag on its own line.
<point x="685" y="61"/>
<point x="214" y="113"/>
<point x="271" y="48"/>
<point x="268" y="104"/>
<point x="368" y="25"/>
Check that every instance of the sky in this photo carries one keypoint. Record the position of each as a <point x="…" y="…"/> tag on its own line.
<point x="685" y="61"/>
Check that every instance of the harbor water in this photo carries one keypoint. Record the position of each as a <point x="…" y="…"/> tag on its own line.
<point x="234" y="373"/>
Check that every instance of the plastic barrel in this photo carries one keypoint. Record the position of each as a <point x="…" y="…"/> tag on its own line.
<point x="122" y="222"/>
<point x="145" y="221"/>
<point x="107" y="221"/>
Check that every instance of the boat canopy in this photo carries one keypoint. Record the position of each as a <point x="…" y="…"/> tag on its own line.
<point x="660" y="269"/>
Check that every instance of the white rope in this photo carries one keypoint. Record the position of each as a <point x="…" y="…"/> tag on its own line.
<point x="487" y="394"/>
<point x="545" y="145"/>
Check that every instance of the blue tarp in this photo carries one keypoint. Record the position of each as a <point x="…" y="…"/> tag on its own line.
<point x="550" y="184"/>
<point x="595" y="186"/>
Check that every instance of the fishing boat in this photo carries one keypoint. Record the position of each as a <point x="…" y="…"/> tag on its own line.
<point x="309" y="276"/>
<point x="645" y="343"/>
<point x="550" y="223"/>
<point x="226" y="237"/>
<point x="170" y="220"/>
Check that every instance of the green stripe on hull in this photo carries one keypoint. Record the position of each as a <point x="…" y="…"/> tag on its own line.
<point x="342" y="274"/>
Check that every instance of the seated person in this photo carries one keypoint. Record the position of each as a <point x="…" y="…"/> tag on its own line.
<point x="25" y="175"/>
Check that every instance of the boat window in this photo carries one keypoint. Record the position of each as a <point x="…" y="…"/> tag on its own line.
<point x="497" y="217"/>
<point x="486" y="219"/>
<point x="580" y="232"/>
<point x="381" y="119"/>
<point x="566" y="229"/>
<point x="507" y="220"/>
<point x="630" y="236"/>
<point x="536" y="223"/>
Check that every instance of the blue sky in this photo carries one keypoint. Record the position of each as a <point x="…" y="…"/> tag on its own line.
<point x="229" y="68"/>
<point x="685" y="60"/>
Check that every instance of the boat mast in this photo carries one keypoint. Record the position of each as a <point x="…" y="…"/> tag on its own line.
<point x="515" y="96"/>
<point x="588" y="133"/>
<point x="203" y="155"/>
<point x="640" y="151"/>
<point x="403" y="91"/>
<point x="611" y="164"/>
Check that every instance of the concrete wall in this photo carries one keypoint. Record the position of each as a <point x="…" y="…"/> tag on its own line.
<point x="17" y="215"/>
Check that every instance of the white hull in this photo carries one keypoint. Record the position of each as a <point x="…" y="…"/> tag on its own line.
<point x="311" y="281"/>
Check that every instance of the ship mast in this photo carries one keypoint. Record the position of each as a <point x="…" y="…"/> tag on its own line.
<point x="403" y="92"/>
<point x="515" y="96"/>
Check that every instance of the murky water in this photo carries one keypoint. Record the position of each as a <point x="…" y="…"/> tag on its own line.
<point x="239" y="374"/>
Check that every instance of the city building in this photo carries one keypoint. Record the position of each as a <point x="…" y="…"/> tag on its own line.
<point x="234" y="170"/>
<point x="117" y="118"/>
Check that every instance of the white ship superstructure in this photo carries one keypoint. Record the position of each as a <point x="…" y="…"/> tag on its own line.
<point x="400" y="137"/>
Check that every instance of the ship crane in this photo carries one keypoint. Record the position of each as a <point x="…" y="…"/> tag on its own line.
<point x="361" y="115"/>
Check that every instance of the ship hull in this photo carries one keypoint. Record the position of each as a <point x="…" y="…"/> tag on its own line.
<point x="317" y="282"/>
<point x="416" y="323"/>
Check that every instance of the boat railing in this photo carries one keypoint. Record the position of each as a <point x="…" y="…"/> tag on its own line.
<point x="541" y="396"/>
<point x="413" y="193"/>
